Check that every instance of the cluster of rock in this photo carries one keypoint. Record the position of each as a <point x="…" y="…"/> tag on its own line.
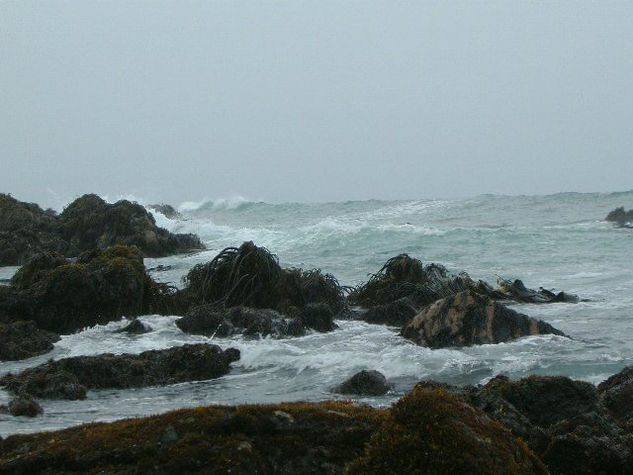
<point x="87" y="223"/>
<point x="621" y="218"/>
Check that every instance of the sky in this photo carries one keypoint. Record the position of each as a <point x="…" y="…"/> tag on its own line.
<point x="314" y="100"/>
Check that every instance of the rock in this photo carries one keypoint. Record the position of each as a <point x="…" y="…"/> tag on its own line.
<point x="620" y="217"/>
<point x="20" y="340"/>
<point x="87" y="223"/>
<point x="250" y="276"/>
<point x="24" y="405"/>
<point x="90" y="223"/>
<point x="433" y="431"/>
<point x="562" y="420"/>
<point x="397" y="313"/>
<point x="517" y="291"/>
<point x="60" y="379"/>
<point x="318" y="316"/>
<point x="26" y="229"/>
<point x="364" y="383"/>
<point x="166" y="210"/>
<point x="100" y="286"/>
<point x="468" y="318"/>
<point x="136" y="327"/>
<point x="617" y="395"/>
<point x="209" y="321"/>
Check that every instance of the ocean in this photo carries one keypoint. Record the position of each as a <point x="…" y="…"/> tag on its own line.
<point x="557" y="241"/>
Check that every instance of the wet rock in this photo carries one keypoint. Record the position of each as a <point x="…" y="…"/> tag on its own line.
<point x="208" y="320"/>
<point x="517" y="291"/>
<point x="621" y="217"/>
<point x="468" y="318"/>
<point x="26" y="229"/>
<point x="562" y="420"/>
<point x="397" y="313"/>
<point x="617" y="395"/>
<point x="64" y="378"/>
<point x="100" y="286"/>
<point x="433" y="431"/>
<point x="318" y="316"/>
<point x="364" y="383"/>
<point x="250" y="276"/>
<point x="20" y="340"/>
<point x="136" y="327"/>
<point x="24" y="405"/>
<point x="166" y="210"/>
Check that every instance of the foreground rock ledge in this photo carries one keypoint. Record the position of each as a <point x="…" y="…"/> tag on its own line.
<point x="69" y="378"/>
<point x="468" y="318"/>
<point x="429" y="431"/>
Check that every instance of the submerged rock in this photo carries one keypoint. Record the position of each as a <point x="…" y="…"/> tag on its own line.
<point x="23" y="405"/>
<point x="69" y="378"/>
<point x="468" y="318"/>
<point x="136" y="327"/>
<point x="20" y="340"/>
<point x="364" y="383"/>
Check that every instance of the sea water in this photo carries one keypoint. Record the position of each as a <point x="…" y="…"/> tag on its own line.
<point x="560" y="242"/>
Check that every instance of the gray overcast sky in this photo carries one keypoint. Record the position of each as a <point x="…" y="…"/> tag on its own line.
<point x="314" y="101"/>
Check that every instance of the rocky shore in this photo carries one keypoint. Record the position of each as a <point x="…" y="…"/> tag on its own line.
<point x="85" y="267"/>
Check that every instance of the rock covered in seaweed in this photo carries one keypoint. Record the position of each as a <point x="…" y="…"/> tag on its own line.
<point x="22" y="405"/>
<point x="68" y="378"/>
<point x="100" y="286"/>
<point x="20" y="340"/>
<point x="364" y="383"/>
<point x="468" y="318"/>
<point x="87" y="223"/>
<point x="617" y="395"/>
<point x="433" y="431"/>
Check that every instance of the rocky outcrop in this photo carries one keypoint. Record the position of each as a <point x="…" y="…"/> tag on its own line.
<point x="20" y="340"/>
<point x="166" y="210"/>
<point x="468" y="318"/>
<point x="428" y="430"/>
<point x="364" y="383"/>
<point x="87" y="223"/>
<point x="621" y="217"/>
<point x="432" y="431"/>
<point x="100" y="286"/>
<point x="617" y="395"/>
<point x="69" y="378"/>
<point x="563" y="421"/>
<point x="397" y="313"/>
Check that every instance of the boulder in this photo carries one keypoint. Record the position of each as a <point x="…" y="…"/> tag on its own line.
<point x="364" y="383"/>
<point x="397" y="313"/>
<point x="468" y="318"/>
<point x="210" y="321"/>
<point x="20" y="340"/>
<point x="136" y="327"/>
<point x="90" y="223"/>
<point x="23" y="405"/>
<point x="66" y="377"/>
<point x="100" y="286"/>
<point x="433" y="431"/>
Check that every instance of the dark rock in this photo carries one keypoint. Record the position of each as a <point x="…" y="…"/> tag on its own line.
<point x="20" y="340"/>
<point x="617" y="395"/>
<point x="101" y="286"/>
<point x="26" y="229"/>
<point x="59" y="379"/>
<point x="468" y="318"/>
<point x="318" y="316"/>
<point x="166" y="210"/>
<point x="250" y="276"/>
<point x="136" y="327"/>
<point x="24" y="405"/>
<point x="364" y="383"/>
<point x="91" y="223"/>
<point x="433" y="431"/>
<point x="620" y="217"/>
<point x="209" y="321"/>
<point x="517" y="291"/>
<point x="397" y="313"/>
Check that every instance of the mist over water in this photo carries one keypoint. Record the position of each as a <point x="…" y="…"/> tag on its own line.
<point x="558" y="241"/>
